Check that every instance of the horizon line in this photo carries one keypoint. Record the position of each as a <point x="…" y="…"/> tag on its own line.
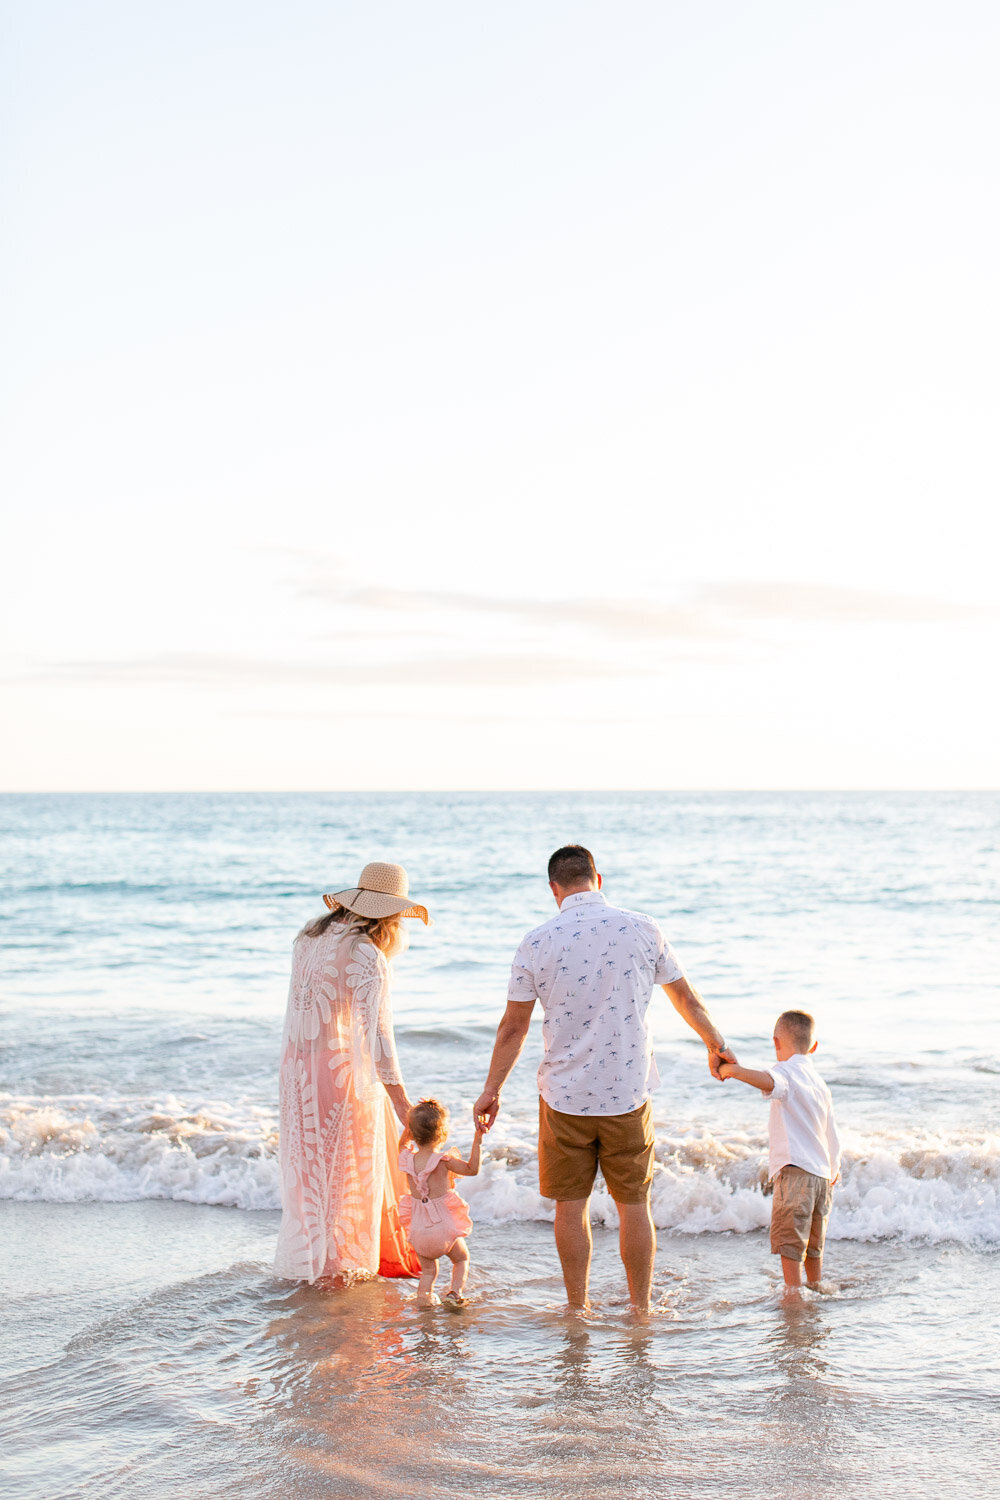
<point x="264" y="791"/>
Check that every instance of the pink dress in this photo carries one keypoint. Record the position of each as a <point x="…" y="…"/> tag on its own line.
<point x="433" y="1224"/>
<point x="340" y="1183"/>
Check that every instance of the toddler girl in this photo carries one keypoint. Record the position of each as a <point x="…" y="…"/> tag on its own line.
<point x="434" y="1216"/>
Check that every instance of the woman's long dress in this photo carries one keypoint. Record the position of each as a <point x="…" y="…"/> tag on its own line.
<point x="340" y="1180"/>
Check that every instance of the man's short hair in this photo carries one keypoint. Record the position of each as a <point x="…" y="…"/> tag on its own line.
<point x="799" y="1028"/>
<point x="572" y="865"/>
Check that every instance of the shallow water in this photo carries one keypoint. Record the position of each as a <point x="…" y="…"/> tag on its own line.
<point x="201" y="1375"/>
<point x="147" y="1350"/>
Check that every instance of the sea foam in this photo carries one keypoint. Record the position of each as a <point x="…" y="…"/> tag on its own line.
<point x="912" y="1186"/>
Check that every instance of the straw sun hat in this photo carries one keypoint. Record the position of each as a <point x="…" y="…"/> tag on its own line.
<point x="382" y="891"/>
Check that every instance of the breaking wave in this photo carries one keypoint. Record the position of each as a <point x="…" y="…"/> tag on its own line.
<point x="913" y="1186"/>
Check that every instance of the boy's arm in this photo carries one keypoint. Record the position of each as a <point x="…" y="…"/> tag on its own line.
<point x="752" y="1076"/>
<point x="468" y="1168"/>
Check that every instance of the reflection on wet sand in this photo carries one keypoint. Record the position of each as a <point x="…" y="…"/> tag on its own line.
<point x="808" y="1417"/>
<point x="354" y="1400"/>
<point x="235" y="1385"/>
<point x="362" y="1393"/>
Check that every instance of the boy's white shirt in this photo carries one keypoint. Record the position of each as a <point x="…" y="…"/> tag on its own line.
<point x="801" y="1129"/>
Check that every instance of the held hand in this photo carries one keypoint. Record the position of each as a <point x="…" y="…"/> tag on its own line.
<point x="716" y="1058"/>
<point x="486" y="1109"/>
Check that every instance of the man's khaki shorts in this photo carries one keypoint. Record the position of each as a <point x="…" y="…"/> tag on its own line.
<point x="799" y="1211"/>
<point x="571" y="1147"/>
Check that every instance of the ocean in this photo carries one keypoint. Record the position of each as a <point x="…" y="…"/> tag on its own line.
<point x="148" y="1351"/>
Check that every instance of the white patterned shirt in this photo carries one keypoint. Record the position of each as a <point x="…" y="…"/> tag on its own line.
<point x="593" y="967"/>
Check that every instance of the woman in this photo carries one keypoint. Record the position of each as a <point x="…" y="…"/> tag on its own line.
<point x="340" y="1182"/>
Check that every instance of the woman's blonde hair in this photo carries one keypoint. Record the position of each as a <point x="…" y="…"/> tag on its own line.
<point x="387" y="933"/>
<point x="428" y="1122"/>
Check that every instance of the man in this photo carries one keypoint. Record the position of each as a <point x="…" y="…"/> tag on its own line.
<point x="593" y="968"/>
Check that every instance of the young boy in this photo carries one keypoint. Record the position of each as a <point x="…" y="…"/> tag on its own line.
<point x="804" y="1162"/>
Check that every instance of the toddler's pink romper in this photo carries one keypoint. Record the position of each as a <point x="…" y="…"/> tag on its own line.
<point x="432" y="1224"/>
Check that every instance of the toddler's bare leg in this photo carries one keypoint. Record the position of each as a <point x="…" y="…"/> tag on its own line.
<point x="459" y="1257"/>
<point x="425" y="1286"/>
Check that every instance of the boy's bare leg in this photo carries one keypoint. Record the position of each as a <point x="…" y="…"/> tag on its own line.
<point x="792" y="1271"/>
<point x="575" y="1243"/>
<point x="425" y="1286"/>
<point x="814" y="1249"/>
<point x="459" y="1257"/>
<point x="637" y="1243"/>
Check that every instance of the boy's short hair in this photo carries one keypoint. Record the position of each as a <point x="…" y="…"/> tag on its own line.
<point x="572" y="865"/>
<point x="427" y="1121"/>
<point x="799" y="1027"/>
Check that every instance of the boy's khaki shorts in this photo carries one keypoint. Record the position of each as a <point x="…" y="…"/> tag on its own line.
<point x="571" y="1147"/>
<point x="799" y="1211"/>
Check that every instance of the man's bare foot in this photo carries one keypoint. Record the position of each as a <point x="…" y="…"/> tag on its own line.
<point x="454" y="1301"/>
<point x="428" y="1299"/>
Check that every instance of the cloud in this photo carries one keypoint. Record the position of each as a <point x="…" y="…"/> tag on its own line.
<point x="710" y="612"/>
<point x="827" y="604"/>
<point x="428" y="637"/>
<point x="611" y="616"/>
<point x="237" y="671"/>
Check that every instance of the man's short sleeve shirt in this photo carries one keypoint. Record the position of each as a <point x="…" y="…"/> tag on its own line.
<point x="593" y="967"/>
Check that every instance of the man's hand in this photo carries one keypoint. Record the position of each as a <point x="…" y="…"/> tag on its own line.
<point x="486" y="1109"/>
<point x="716" y="1058"/>
<point x="726" y="1069"/>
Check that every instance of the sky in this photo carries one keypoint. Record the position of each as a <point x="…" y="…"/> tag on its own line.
<point x="462" y="396"/>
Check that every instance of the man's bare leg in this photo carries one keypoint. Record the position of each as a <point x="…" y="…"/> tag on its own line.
<point x="792" y="1271"/>
<point x="637" y="1243"/>
<point x="575" y="1243"/>
<point x="814" y="1269"/>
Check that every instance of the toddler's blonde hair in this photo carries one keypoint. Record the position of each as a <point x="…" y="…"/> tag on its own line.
<point x="428" y="1122"/>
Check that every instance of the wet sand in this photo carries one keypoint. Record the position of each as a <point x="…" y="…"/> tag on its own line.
<point x="149" y="1353"/>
